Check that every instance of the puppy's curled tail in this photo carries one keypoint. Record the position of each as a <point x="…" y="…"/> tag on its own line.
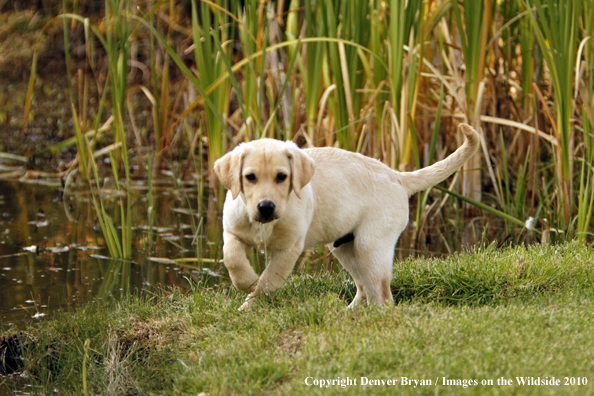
<point x="422" y="179"/>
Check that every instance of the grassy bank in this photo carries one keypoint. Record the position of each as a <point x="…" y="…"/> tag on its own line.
<point x="476" y="316"/>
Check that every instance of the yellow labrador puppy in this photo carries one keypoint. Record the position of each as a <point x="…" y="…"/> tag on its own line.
<point x="284" y="199"/>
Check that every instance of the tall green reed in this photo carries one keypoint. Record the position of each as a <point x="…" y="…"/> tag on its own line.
<point x="339" y="106"/>
<point x="210" y="33"/>
<point x="116" y="44"/>
<point x="404" y="30"/>
<point x="584" y="89"/>
<point x="312" y="72"/>
<point x="473" y="32"/>
<point x="556" y="24"/>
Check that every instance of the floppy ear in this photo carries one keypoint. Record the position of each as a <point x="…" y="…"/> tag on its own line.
<point x="228" y="169"/>
<point x="302" y="168"/>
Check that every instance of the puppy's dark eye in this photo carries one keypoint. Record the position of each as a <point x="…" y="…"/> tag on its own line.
<point x="281" y="177"/>
<point x="251" y="177"/>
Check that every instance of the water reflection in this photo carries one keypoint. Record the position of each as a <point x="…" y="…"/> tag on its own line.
<point x="52" y="254"/>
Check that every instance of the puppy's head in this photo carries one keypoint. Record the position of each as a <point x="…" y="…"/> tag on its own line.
<point x="265" y="171"/>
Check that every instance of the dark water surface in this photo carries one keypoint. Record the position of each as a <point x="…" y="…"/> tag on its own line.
<point x="53" y="257"/>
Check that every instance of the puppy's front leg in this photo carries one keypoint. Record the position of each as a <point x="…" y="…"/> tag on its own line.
<point x="242" y="274"/>
<point x="280" y="267"/>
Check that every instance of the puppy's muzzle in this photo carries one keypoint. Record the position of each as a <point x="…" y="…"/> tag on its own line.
<point x="266" y="211"/>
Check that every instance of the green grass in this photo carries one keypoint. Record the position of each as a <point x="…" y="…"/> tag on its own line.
<point x="481" y="315"/>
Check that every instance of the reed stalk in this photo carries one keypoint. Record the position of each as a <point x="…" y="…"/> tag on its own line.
<point x="556" y="24"/>
<point x="473" y="32"/>
<point x="312" y="72"/>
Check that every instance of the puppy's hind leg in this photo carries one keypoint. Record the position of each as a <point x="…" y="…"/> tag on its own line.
<point x="375" y="267"/>
<point x="346" y="255"/>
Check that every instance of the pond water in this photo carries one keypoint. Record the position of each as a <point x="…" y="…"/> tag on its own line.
<point x="53" y="256"/>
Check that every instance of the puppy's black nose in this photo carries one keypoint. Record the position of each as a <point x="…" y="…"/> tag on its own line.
<point x="266" y="209"/>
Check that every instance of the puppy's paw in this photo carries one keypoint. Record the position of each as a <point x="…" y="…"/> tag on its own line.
<point x="248" y="303"/>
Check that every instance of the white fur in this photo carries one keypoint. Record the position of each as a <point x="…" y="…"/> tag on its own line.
<point x="347" y="193"/>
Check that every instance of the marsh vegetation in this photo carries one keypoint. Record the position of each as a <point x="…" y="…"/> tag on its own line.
<point x="173" y="85"/>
